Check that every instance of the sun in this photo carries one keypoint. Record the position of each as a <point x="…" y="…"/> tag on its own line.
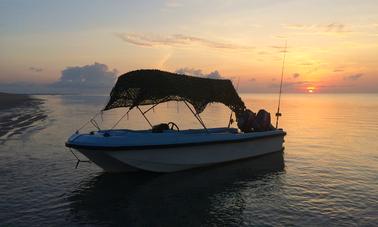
<point x="311" y="89"/>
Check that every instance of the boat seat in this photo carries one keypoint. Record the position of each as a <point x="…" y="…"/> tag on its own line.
<point x="160" y="128"/>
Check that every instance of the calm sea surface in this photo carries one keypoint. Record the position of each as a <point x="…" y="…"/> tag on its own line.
<point x="327" y="174"/>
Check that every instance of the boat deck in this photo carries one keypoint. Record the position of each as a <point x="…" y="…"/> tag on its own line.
<point x="120" y="132"/>
<point x="130" y="139"/>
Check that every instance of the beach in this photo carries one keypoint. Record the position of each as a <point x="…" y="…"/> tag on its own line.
<point x="8" y="100"/>
<point x="19" y="113"/>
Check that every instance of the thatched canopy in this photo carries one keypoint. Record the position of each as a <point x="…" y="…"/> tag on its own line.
<point x="148" y="87"/>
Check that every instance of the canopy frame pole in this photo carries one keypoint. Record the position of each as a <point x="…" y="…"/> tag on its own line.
<point x="144" y="116"/>
<point x="197" y="116"/>
<point x="230" y="119"/>
<point x="121" y="118"/>
<point x="89" y="121"/>
<point x="203" y="123"/>
<point x="152" y="107"/>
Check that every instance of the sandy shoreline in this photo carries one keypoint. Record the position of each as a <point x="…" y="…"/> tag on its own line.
<point x="8" y="100"/>
<point x="12" y="120"/>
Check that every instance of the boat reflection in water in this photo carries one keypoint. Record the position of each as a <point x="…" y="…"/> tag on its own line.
<point x="216" y="195"/>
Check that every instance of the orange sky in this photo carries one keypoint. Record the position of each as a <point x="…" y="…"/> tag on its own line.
<point x="332" y="45"/>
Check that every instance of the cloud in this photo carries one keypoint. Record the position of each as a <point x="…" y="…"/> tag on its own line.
<point x="252" y="80"/>
<point x="336" y="28"/>
<point x="172" y="4"/>
<point x="338" y="70"/>
<point x="286" y="86"/>
<point x="176" y="40"/>
<point x="293" y="84"/>
<point x="332" y="28"/>
<point x="299" y="26"/>
<point x="312" y="70"/>
<point x="280" y="36"/>
<point x="190" y="71"/>
<point x="162" y="62"/>
<point x="87" y="79"/>
<point x="198" y="72"/>
<point x="35" y="69"/>
<point x="290" y="85"/>
<point x="262" y="53"/>
<point x="214" y="75"/>
<point x="281" y="49"/>
<point x="296" y="75"/>
<point x="353" y="77"/>
<point x="92" y="76"/>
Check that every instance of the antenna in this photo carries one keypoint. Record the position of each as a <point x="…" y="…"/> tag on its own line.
<point x="278" y="114"/>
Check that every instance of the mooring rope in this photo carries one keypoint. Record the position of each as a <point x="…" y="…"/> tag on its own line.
<point x="126" y="114"/>
<point x="89" y="121"/>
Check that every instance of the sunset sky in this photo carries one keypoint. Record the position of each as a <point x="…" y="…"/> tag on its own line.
<point x="332" y="45"/>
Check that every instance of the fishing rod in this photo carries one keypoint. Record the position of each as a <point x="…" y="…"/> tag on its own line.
<point x="278" y="114"/>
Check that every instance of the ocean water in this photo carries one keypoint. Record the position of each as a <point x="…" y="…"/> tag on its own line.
<point x="326" y="176"/>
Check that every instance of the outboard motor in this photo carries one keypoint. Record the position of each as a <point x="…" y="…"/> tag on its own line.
<point x="249" y="121"/>
<point x="262" y="122"/>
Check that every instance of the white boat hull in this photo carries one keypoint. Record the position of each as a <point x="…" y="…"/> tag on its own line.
<point x="178" y="158"/>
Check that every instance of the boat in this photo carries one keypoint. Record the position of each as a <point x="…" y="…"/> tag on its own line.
<point x="166" y="148"/>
